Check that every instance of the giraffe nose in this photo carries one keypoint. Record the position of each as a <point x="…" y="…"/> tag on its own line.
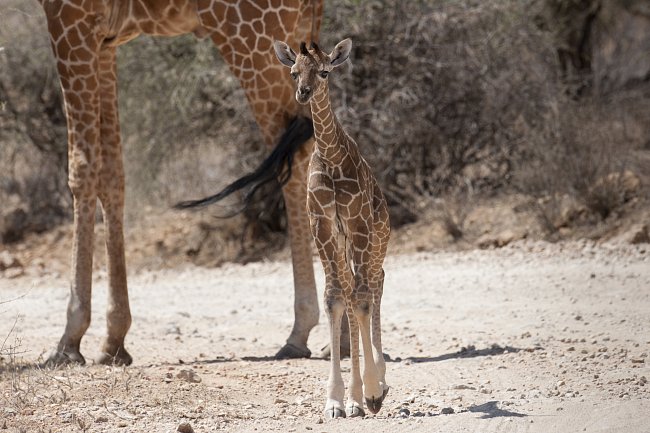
<point x="304" y="90"/>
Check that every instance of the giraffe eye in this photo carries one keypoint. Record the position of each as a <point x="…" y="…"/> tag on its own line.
<point x="323" y="74"/>
<point x="294" y="75"/>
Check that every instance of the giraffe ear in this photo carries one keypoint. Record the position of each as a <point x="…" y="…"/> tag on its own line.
<point x="285" y="54"/>
<point x="341" y="52"/>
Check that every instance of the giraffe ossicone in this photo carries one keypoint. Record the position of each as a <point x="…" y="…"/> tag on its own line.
<point x="84" y="35"/>
<point x="348" y="217"/>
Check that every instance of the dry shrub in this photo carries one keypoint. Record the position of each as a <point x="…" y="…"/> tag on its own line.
<point x="441" y="94"/>
<point x="444" y="97"/>
<point x="33" y="186"/>
<point x="185" y="119"/>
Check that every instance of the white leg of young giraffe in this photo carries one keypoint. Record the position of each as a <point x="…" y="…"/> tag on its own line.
<point x="378" y="352"/>
<point x="335" y="309"/>
<point x="81" y="96"/>
<point x="334" y="304"/>
<point x="362" y="301"/>
<point x="111" y="196"/>
<point x="354" y="405"/>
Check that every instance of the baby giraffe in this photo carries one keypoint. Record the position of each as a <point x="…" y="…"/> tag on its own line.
<point x="349" y="221"/>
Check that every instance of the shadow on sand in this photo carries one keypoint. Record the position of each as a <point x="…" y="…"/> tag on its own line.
<point x="492" y="410"/>
<point x="465" y="352"/>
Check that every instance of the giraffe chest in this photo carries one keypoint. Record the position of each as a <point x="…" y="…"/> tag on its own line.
<point x="343" y="193"/>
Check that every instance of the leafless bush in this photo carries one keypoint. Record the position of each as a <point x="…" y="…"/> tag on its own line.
<point x="33" y="185"/>
<point x="183" y="115"/>
<point x="441" y="95"/>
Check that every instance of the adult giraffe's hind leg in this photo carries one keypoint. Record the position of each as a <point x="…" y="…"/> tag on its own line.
<point x="305" y="297"/>
<point x="111" y="195"/>
<point x="246" y="44"/>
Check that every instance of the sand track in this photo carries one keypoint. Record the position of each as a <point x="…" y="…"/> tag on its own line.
<point x="535" y="337"/>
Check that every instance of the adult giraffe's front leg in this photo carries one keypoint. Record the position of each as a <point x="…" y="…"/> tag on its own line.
<point x="111" y="196"/>
<point x="77" y="63"/>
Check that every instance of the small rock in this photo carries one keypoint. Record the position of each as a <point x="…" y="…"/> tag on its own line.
<point x="418" y="413"/>
<point x="185" y="427"/>
<point x="503" y="238"/>
<point x="173" y="329"/>
<point x="303" y="401"/>
<point x="101" y="418"/>
<point x="463" y="386"/>
<point x="12" y="273"/>
<point x="189" y="376"/>
<point x="447" y="410"/>
<point x="404" y="413"/>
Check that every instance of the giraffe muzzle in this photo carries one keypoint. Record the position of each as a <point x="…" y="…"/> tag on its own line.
<point x="303" y="94"/>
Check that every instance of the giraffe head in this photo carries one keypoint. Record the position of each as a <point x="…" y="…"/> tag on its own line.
<point x="311" y="66"/>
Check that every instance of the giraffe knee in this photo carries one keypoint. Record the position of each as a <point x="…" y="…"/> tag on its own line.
<point x="334" y="307"/>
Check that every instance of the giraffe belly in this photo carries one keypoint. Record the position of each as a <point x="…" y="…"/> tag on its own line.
<point x="128" y="19"/>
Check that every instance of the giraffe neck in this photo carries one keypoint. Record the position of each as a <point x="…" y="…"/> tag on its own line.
<point x="331" y="140"/>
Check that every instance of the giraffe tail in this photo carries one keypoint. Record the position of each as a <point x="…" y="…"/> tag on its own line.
<point x="277" y="166"/>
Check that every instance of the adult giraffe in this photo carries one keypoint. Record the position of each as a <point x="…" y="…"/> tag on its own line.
<point x="84" y="36"/>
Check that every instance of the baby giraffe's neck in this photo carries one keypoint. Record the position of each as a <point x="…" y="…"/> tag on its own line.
<point x="331" y="140"/>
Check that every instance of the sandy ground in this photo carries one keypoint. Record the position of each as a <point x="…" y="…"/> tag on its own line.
<point x="534" y="337"/>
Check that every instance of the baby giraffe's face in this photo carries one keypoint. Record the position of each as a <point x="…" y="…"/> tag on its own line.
<point x="311" y="67"/>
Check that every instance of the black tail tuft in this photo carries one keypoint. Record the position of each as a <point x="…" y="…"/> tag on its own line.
<point x="277" y="166"/>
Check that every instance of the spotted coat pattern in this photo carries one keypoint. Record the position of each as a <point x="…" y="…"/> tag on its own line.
<point x="349" y="221"/>
<point x="84" y="36"/>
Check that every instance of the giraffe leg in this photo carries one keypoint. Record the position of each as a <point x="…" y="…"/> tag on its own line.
<point x="78" y="312"/>
<point x="77" y="65"/>
<point x="111" y="196"/>
<point x="372" y="388"/>
<point x="354" y="405"/>
<point x="376" y="332"/>
<point x="305" y="297"/>
<point x="345" y="340"/>
<point x="270" y="96"/>
<point x="362" y="303"/>
<point x="335" y="387"/>
<point x="381" y="234"/>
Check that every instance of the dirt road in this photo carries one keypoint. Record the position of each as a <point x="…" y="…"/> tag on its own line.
<point x="534" y="337"/>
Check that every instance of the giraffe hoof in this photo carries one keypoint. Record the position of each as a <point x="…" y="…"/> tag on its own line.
<point x="291" y="351"/>
<point x="67" y="357"/>
<point x="374" y="404"/>
<point x="121" y="357"/>
<point x="326" y="352"/>
<point x="354" y="411"/>
<point x="333" y="413"/>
